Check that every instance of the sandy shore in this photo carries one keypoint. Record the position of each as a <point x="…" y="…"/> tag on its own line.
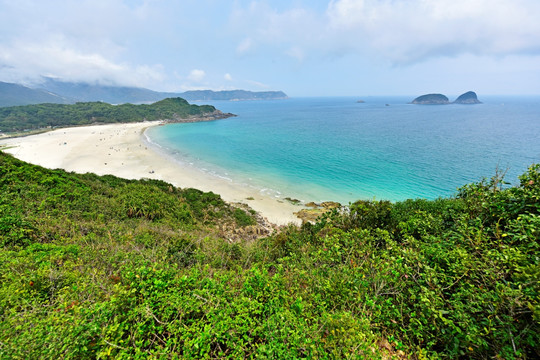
<point x="121" y="150"/>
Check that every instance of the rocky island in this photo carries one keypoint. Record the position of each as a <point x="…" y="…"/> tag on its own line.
<point x="468" y="98"/>
<point x="439" y="99"/>
<point x="431" y="99"/>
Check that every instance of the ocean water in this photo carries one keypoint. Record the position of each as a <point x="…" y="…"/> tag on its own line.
<point x="317" y="149"/>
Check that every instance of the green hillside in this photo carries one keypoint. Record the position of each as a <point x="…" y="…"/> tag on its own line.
<point x="101" y="267"/>
<point x="30" y="117"/>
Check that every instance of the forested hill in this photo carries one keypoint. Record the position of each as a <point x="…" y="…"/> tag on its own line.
<point x="101" y="267"/>
<point x="31" y="117"/>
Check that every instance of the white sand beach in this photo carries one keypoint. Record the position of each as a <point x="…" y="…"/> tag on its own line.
<point x="121" y="150"/>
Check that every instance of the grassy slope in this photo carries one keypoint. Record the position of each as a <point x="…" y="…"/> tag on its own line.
<point x="103" y="267"/>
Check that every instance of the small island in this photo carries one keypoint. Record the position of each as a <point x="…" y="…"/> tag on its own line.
<point x="467" y="98"/>
<point x="431" y="99"/>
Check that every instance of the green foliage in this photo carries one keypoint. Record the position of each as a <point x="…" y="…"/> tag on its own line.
<point x="28" y="117"/>
<point x="370" y="214"/>
<point x="102" y="267"/>
<point x="242" y="218"/>
<point x="150" y="202"/>
<point x="14" y="231"/>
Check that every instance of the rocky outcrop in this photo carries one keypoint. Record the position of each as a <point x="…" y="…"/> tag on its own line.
<point x="310" y="215"/>
<point x="468" y="98"/>
<point x="316" y="211"/>
<point x="234" y="233"/>
<point x="210" y="116"/>
<point x="431" y="99"/>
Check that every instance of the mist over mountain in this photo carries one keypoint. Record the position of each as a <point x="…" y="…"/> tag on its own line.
<point x="79" y="91"/>
<point x="59" y="92"/>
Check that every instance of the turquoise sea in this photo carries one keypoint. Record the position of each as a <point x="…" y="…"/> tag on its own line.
<point x="334" y="148"/>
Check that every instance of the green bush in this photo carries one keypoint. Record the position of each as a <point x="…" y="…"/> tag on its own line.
<point x="242" y="218"/>
<point x="14" y="231"/>
<point x="102" y="267"/>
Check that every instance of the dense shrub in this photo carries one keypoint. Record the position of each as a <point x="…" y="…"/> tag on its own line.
<point x="101" y="267"/>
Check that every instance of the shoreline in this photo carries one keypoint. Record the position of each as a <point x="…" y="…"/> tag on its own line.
<point x="124" y="151"/>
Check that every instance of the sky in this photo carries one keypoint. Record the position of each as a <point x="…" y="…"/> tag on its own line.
<point x="302" y="47"/>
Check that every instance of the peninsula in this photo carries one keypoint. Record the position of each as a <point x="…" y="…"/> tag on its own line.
<point x="33" y="117"/>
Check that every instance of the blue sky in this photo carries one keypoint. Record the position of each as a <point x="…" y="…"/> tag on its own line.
<point x="305" y="48"/>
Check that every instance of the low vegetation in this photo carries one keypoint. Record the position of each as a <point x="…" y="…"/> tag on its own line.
<point x="101" y="267"/>
<point x="31" y="117"/>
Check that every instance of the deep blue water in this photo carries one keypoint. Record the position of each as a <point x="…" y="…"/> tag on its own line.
<point x="337" y="149"/>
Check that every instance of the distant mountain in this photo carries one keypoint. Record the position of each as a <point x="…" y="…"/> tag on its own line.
<point x="60" y="92"/>
<point x="14" y="95"/>
<point x="431" y="99"/>
<point x="105" y="93"/>
<point x="233" y="95"/>
<point x="134" y="95"/>
<point x="468" y="98"/>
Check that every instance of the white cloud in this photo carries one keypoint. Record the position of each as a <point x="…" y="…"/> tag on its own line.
<point x="228" y="77"/>
<point x="413" y="30"/>
<point x="258" y="84"/>
<point x="296" y="53"/>
<point x="286" y="32"/>
<point x="28" y="62"/>
<point x="244" y="46"/>
<point x="400" y="31"/>
<point x="196" y="75"/>
<point x="288" y="43"/>
<point x="73" y="41"/>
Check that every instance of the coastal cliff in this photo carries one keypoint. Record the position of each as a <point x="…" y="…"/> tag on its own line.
<point x="210" y="116"/>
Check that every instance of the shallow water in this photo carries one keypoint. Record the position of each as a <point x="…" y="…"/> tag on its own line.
<point x="337" y="149"/>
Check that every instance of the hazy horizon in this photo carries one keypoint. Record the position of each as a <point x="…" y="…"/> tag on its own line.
<point x="304" y="48"/>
